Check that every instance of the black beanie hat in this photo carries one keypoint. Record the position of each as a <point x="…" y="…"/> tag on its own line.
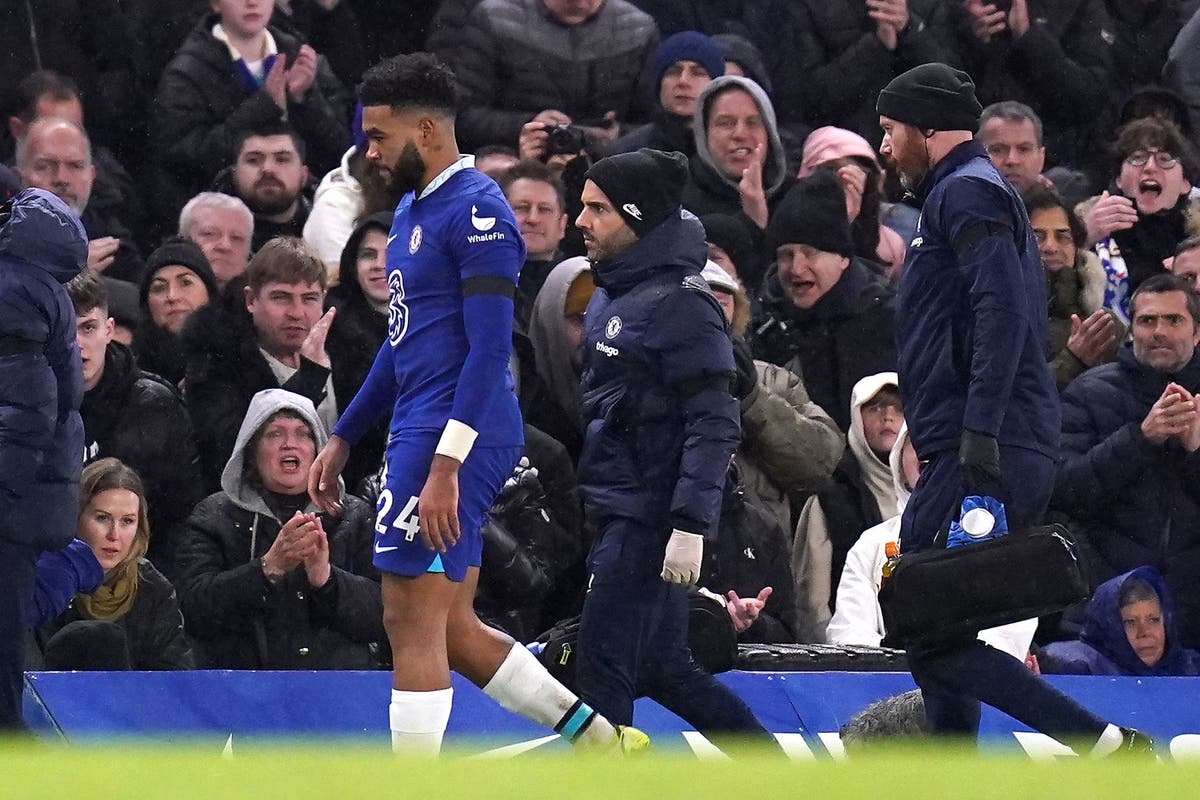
<point x="645" y="187"/>
<point x="731" y="235"/>
<point x="123" y="304"/>
<point x="932" y="96"/>
<point x="813" y="213"/>
<point x="178" y="251"/>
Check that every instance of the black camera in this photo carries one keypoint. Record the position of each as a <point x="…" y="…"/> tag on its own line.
<point x="564" y="140"/>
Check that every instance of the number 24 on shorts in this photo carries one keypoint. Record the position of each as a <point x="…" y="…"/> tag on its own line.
<point x="407" y="520"/>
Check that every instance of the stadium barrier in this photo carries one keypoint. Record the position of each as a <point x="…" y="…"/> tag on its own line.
<point x="804" y="709"/>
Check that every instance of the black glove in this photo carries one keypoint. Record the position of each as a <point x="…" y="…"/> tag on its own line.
<point x="979" y="458"/>
<point x="521" y="490"/>
<point x="745" y="378"/>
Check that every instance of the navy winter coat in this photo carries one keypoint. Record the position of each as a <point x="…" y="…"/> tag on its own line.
<point x="971" y="314"/>
<point x="42" y="246"/>
<point x="1136" y="503"/>
<point x="660" y="422"/>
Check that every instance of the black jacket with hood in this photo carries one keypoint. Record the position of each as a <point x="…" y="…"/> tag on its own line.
<point x="240" y="620"/>
<point x="42" y="247"/>
<point x="660" y="422"/>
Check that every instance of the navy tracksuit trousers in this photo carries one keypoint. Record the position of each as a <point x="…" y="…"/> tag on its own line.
<point x="955" y="676"/>
<point x="633" y="639"/>
<point x="18" y="567"/>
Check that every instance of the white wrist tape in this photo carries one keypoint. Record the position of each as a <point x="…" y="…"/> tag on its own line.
<point x="457" y="440"/>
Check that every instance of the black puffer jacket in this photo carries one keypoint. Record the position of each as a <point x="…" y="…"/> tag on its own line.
<point x="1135" y="502"/>
<point x="153" y="627"/>
<point x="202" y="103"/>
<point x="1063" y="68"/>
<point x="847" y="65"/>
<point x="238" y="620"/>
<point x="544" y="516"/>
<point x="140" y="419"/>
<point x="517" y="60"/>
<point x="848" y="334"/>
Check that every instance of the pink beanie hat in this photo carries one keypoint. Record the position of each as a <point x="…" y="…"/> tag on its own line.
<point x="827" y="143"/>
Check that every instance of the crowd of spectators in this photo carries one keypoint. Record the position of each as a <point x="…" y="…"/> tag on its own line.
<point x="236" y="295"/>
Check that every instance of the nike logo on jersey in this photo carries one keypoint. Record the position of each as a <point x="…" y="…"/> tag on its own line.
<point x="389" y="239"/>
<point x="481" y="223"/>
<point x="379" y="549"/>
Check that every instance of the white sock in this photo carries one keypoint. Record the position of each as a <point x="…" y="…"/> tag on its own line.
<point x="1109" y="742"/>
<point x="418" y="721"/>
<point x="523" y="686"/>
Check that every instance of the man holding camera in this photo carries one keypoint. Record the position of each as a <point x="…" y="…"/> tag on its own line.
<point x="527" y="66"/>
<point x="978" y="396"/>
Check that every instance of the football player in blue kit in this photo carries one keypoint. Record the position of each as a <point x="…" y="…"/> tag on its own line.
<point x="453" y="255"/>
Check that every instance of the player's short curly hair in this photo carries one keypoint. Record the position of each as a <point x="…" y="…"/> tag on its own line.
<point x="411" y="80"/>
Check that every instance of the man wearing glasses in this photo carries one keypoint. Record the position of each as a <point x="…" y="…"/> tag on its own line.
<point x="1142" y="220"/>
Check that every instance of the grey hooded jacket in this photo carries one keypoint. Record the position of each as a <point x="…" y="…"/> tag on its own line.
<point x="240" y="620"/>
<point x="708" y="190"/>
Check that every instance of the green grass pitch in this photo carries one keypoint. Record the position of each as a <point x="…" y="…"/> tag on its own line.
<point x="332" y="771"/>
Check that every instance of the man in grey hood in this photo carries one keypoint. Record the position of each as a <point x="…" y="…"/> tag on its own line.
<point x="740" y="167"/>
<point x="266" y="582"/>
<point x="556" y="330"/>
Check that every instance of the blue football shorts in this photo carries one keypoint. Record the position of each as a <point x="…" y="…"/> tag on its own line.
<point x="399" y="547"/>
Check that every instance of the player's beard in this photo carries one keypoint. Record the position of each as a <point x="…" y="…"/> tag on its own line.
<point x="408" y="171"/>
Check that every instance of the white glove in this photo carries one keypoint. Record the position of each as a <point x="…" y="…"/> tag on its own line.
<point x="682" y="562"/>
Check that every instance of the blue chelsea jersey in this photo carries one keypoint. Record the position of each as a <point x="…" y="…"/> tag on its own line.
<point x="460" y="229"/>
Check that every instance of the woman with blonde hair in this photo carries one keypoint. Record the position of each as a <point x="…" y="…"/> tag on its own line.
<point x="132" y="621"/>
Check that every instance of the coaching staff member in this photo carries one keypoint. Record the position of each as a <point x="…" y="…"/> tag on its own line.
<point x="978" y="395"/>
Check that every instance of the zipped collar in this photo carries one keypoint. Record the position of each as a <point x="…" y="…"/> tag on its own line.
<point x="961" y="154"/>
